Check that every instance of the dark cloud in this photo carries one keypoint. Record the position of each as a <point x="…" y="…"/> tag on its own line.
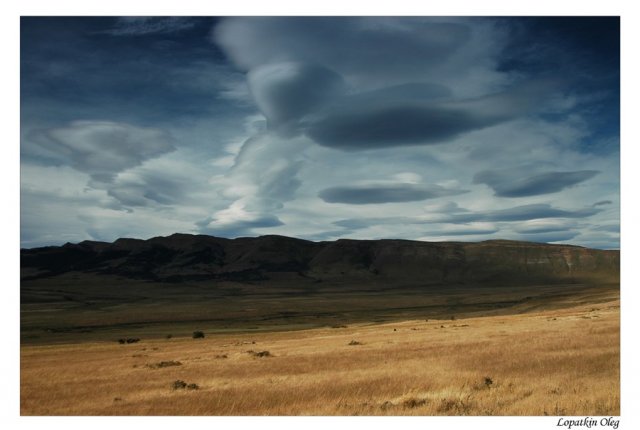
<point x="384" y="124"/>
<point x="417" y="114"/>
<point x="519" y="213"/>
<point x="104" y="148"/>
<point x="603" y="202"/>
<point x="286" y="92"/>
<point x="407" y="115"/>
<point x="385" y="193"/>
<point x="507" y="184"/>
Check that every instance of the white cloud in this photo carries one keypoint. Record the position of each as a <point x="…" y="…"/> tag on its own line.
<point x="104" y="148"/>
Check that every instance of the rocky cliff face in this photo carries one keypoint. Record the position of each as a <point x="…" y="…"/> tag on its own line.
<point x="182" y="257"/>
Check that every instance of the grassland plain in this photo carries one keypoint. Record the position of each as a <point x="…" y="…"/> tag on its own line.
<point x="546" y="362"/>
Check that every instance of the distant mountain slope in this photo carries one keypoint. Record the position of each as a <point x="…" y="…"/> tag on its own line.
<point x="182" y="257"/>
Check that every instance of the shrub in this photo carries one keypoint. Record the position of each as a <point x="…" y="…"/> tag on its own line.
<point x="129" y="340"/>
<point x="260" y="353"/>
<point x="488" y="381"/>
<point x="413" y="403"/>
<point x="179" y="384"/>
<point x="198" y="334"/>
<point x="162" y="364"/>
<point x="355" y="342"/>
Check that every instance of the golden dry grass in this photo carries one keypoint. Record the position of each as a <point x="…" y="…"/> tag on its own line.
<point x="556" y="362"/>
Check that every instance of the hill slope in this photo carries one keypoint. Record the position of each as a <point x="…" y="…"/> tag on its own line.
<point x="182" y="257"/>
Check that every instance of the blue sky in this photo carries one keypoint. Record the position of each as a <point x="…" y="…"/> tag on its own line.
<point x="417" y="128"/>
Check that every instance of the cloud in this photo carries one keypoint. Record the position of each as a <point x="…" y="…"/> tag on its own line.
<point x="366" y="222"/>
<point x="57" y="207"/>
<point x="464" y="231"/>
<point x="302" y="82"/>
<point x="104" y="148"/>
<point x="262" y="179"/>
<point x="140" y="26"/>
<point x="614" y="228"/>
<point x="510" y="183"/>
<point x="286" y="92"/>
<point x="236" y="221"/>
<point x="549" y="237"/>
<point x="382" y="192"/>
<point x="539" y="226"/>
<point x="418" y="114"/>
<point x="172" y="180"/>
<point x="246" y="136"/>
<point x="369" y="51"/>
<point x="519" y="213"/>
<point x="603" y="202"/>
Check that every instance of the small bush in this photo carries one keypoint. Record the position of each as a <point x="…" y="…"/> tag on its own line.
<point x="169" y="336"/>
<point x="129" y="340"/>
<point x="260" y="353"/>
<point x="413" y="403"/>
<point x="198" y="335"/>
<point x="355" y="342"/>
<point x="221" y="356"/>
<point x="181" y="385"/>
<point x="162" y="364"/>
<point x="178" y="385"/>
<point x="454" y="406"/>
<point x="488" y="381"/>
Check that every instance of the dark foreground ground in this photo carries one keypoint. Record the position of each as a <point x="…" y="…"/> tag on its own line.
<point x="78" y="308"/>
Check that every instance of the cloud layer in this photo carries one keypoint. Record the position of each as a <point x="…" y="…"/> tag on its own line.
<point x="509" y="184"/>
<point x="424" y="128"/>
<point x="385" y="193"/>
<point x="104" y="148"/>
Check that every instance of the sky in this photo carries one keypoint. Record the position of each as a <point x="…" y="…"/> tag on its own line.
<point x="421" y="128"/>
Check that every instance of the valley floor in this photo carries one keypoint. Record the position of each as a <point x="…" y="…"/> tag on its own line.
<point x="548" y="362"/>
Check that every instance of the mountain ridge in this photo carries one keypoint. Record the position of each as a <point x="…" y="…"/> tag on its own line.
<point x="186" y="257"/>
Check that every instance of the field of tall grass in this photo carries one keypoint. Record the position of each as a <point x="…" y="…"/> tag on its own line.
<point x="551" y="362"/>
